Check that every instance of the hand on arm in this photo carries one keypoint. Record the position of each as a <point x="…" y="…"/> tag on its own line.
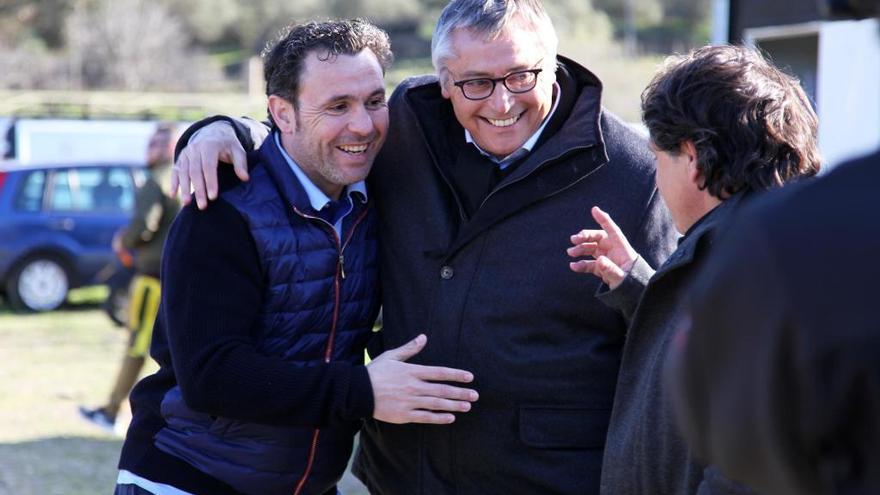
<point x="613" y="257"/>
<point x="196" y="166"/>
<point x="406" y="393"/>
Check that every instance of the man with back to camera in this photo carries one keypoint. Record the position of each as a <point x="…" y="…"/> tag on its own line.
<point x="724" y="125"/>
<point x="775" y="378"/>
<point x="271" y="295"/>
<point x="488" y="167"/>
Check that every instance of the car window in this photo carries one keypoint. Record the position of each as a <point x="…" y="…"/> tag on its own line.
<point x="30" y="195"/>
<point x="61" y="194"/>
<point x="122" y="178"/>
<point x="98" y="189"/>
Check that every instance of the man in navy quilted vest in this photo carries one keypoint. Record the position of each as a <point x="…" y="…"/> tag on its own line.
<point x="271" y="296"/>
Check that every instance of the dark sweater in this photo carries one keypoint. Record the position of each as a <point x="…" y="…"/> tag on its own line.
<point x="213" y="288"/>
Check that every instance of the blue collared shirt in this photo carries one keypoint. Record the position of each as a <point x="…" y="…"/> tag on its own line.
<point x="530" y="142"/>
<point x="317" y="198"/>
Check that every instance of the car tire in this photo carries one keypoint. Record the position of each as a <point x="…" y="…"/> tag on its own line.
<point x="38" y="283"/>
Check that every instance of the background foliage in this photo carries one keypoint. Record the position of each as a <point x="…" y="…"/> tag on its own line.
<point x="205" y="45"/>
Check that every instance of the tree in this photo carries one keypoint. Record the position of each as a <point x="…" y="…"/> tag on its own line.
<point x="134" y="45"/>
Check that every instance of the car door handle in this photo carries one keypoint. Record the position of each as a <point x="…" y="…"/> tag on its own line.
<point x="63" y="224"/>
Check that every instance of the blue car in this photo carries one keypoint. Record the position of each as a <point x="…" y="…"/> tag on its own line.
<point x="56" y="226"/>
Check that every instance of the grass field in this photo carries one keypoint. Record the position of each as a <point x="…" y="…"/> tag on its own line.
<point x="49" y="364"/>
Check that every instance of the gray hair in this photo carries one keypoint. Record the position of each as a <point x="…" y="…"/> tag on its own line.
<point x="489" y="18"/>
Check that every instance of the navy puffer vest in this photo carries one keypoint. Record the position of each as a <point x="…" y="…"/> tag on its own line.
<point x="320" y="301"/>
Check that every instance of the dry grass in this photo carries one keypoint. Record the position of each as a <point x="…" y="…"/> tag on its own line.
<point x="49" y="364"/>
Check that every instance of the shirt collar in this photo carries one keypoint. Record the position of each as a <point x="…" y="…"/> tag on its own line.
<point x="530" y="142"/>
<point x="317" y="198"/>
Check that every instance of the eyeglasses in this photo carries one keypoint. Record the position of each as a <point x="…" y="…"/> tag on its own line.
<point x="521" y="81"/>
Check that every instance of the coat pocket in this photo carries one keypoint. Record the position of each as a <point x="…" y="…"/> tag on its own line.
<point x="563" y="427"/>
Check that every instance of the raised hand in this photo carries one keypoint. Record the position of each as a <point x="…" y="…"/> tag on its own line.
<point x="406" y="393"/>
<point x="196" y="166"/>
<point x="613" y="257"/>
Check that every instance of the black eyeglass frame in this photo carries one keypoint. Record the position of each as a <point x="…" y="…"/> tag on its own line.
<point x="496" y="80"/>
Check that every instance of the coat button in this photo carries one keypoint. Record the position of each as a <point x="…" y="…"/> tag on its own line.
<point x="446" y="272"/>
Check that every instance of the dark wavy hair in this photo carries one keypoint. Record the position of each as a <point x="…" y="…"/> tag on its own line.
<point x="752" y="125"/>
<point x="283" y="59"/>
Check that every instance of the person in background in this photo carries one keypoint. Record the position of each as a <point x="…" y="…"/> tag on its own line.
<point x="724" y="125"/>
<point x="140" y="242"/>
<point x="9" y="140"/>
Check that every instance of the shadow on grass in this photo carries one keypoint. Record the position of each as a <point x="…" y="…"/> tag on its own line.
<point x="59" y="465"/>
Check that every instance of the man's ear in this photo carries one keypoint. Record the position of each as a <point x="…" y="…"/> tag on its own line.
<point x="689" y="152"/>
<point x="445" y="82"/>
<point x="283" y="114"/>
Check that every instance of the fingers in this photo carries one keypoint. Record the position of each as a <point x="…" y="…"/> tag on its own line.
<point x="584" y="266"/>
<point x="601" y="267"/>
<point x="197" y="180"/>
<point x="239" y="161"/>
<point x="181" y="172"/>
<point x="175" y="183"/>
<point x="203" y="173"/>
<point x="428" y="417"/>
<point x="585" y="249"/>
<point x="443" y="391"/>
<point x="604" y="220"/>
<point x="441" y="405"/>
<point x="610" y="273"/>
<point x="418" y="401"/>
<point x="588" y="235"/>
<point x="209" y="173"/>
<point x="442" y="374"/>
<point x="407" y="350"/>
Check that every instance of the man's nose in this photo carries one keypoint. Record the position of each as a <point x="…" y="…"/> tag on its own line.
<point x="361" y="121"/>
<point x="501" y="100"/>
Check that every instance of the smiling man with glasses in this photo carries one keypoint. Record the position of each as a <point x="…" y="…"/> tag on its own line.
<point x="488" y="167"/>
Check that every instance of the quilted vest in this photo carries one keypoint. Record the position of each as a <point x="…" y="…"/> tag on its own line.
<point x="320" y="300"/>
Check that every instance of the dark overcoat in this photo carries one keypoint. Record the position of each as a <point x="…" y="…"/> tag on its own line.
<point x="494" y="294"/>
<point x="645" y="452"/>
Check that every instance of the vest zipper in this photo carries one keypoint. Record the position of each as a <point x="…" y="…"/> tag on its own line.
<point x="302" y="481"/>
<point x="337" y="290"/>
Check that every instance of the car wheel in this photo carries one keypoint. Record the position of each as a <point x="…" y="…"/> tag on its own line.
<point x="40" y="283"/>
